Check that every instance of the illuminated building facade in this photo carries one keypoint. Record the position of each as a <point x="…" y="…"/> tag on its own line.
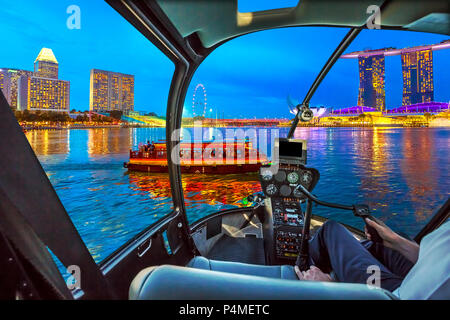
<point x="46" y="65"/>
<point x="371" y="82"/>
<point x="36" y="93"/>
<point x="39" y="90"/>
<point x="4" y="82"/>
<point x="417" y="70"/>
<point x="9" y="80"/>
<point x="111" y="91"/>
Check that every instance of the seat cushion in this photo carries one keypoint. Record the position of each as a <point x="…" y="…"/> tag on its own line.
<point x="277" y="272"/>
<point x="181" y="283"/>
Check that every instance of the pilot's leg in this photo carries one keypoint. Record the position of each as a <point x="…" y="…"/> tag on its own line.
<point x="334" y="248"/>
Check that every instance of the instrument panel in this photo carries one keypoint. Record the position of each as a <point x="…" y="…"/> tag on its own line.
<point x="284" y="181"/>
<point x="279" y="183"/>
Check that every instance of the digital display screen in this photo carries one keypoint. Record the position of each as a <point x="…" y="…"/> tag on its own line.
<point x="290" y="149"/>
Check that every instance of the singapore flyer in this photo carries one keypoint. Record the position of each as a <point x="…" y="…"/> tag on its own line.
<point x="199" y="101"/>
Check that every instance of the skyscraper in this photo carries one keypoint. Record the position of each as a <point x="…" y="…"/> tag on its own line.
<point x="9" y="84"/>
<point x="40" y="90"/>
<point x="46" y="65"/>
<point x="4" y="82"/>
<point x="111" y="91"/>
<point x="371" y="82"/>
<point x="417" y="70"/>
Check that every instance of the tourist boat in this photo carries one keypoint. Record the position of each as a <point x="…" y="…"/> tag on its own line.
<point x="200" y="158"/>
<point x="232" y="254"/>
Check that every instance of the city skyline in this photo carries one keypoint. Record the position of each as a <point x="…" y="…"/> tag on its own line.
<point x="417" y="74"/>
<point x="249" y="76"/>
<point x="39" y="89"/>
<point x="114" y="91"/>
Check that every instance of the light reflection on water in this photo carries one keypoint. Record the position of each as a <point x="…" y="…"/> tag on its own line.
<point x="403" y="174"/>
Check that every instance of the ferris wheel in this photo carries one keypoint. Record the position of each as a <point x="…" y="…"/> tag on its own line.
<point x="199" y="101"/>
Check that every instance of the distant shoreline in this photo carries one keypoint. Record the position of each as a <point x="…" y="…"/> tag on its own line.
<point x="105" y="126"/>
<point x="50" y="127"/>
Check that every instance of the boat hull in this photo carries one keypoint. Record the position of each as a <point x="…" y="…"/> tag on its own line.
<point x="197" y="169"/>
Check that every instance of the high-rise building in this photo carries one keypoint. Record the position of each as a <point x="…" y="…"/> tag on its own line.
<point x="46" y="65"/>
<point x="417" y="69"/>
<point x="10" y="81"/>
<point x="371" y="82"/>
<point x="4" y="83"/>
<point x="417" y="72"/>
<point x="111" y="91"/>
<point x="40" y="90"/>
<point x="36" y="93"/>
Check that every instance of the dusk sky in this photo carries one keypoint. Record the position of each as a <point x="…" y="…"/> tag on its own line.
<point x="249" y="76"/>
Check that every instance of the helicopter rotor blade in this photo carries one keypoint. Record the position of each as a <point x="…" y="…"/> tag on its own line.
<point x="292" y="103"/>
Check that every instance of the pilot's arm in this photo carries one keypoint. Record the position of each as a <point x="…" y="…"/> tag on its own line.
<point x="392" y="240"/>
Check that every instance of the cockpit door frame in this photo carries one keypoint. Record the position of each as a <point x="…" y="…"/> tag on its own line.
<point x="441" y="216"/>
<point x="186" y="54"/>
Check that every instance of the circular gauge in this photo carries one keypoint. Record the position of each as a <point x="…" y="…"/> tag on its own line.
<point x="285" y="190"/>
<point x="292" y="177"/>
<point x="297" y="193"/>
<point x="271" y="189"/>
<point x="280" y="176"/>
<point x="306" y="178"/>
<point x="266" y="175"/>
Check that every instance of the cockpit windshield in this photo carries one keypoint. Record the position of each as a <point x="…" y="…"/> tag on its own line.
<point x="377" y="118"/>
<point x="90" y="92"/>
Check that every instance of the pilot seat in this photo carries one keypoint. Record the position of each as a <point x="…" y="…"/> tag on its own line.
<point x="204" y="279"/>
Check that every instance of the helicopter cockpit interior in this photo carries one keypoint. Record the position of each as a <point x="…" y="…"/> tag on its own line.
<point x="245" y="252"/>
<point x="266" y="242"/>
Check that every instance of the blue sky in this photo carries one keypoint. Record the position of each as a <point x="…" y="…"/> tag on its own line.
<point x="249" y="76"/>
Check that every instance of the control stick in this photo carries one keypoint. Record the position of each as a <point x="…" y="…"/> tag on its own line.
<point x="362" y="211"/>
<point x="303" y="256"/>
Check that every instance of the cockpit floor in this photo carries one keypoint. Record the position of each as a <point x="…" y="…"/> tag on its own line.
<point x="246" y="250"/>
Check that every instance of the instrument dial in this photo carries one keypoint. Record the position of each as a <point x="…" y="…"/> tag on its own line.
<point x="267" y="175"/>
<point x="271" y="189"/>
<point x="306" y="178"/>
<point x="285" y="190"/>
<point x="293" y="177"/>
<point x="280" y="176"/>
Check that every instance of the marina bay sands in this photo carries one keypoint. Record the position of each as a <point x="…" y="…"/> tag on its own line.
<point x="417" y="72"/>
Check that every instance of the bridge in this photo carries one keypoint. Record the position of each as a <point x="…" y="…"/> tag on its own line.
<point x="237" y="122"/>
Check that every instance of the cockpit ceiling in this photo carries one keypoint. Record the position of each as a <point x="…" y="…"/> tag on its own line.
<point x="217" y="20"/>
